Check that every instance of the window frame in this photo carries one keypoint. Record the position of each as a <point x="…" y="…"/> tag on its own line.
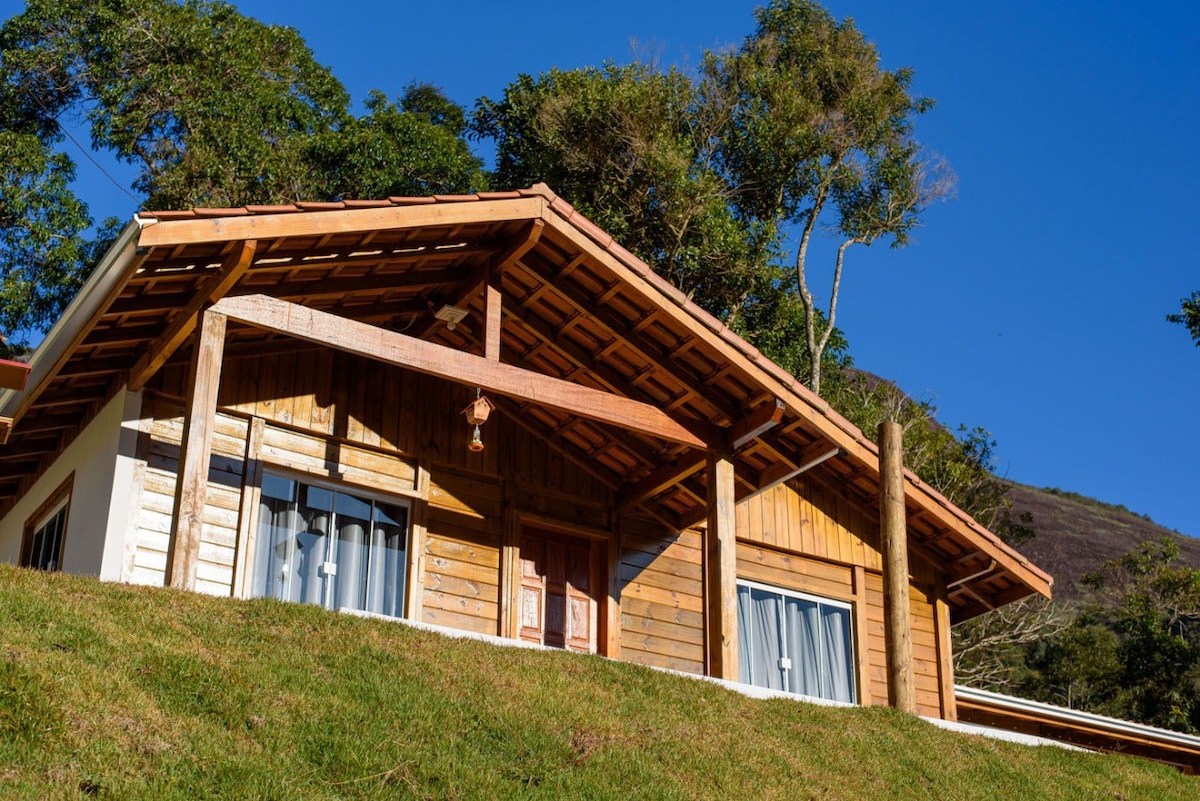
<point x="58" y="501"/>
<point x="358" y="491"/>
<point x="820" y="600"/>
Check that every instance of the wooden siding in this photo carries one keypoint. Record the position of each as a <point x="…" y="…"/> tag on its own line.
<point x="803" y="536"/>
<point x="319" y="421"/>
<point x="662" y="596"/>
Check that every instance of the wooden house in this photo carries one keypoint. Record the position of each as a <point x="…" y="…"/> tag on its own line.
<point x="287" y="401"/>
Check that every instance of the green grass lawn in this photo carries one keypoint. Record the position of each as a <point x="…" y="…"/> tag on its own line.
<point x="113" y="691"/>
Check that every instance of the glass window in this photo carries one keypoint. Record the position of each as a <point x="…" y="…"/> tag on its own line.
<point x="325" y="546"/>
<point x="46" y="529"/>
<point x="794" y="642"/>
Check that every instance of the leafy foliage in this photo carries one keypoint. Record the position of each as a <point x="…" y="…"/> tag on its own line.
<point x="42" y="253"/>
<point x="211" y="107"/>
<point x="1189" y="315"/>
<point x="1131" y="651"/>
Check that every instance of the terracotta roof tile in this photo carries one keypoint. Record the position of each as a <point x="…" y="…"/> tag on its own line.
<point x="604" y="239"/>
<point x="562" y="207"/>
<point x="283" y="208"/>
<point x="455" y="198"/>
<point x="498" y="195"/>
<point x="367" y="204"/>
<point x="539" y="190"/>
<point x="406" y="200"/>
<point x="318" y="206"/>
<point x="238" y="211"/>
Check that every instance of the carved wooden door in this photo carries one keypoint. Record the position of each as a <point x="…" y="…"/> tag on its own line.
<point x="558" y="605"/>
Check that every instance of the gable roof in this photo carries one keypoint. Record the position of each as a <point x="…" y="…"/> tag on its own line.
<point x="577" y="305"/>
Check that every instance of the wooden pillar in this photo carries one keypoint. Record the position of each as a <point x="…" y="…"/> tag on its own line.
<point x="491" y="318"/>
<point x="720" y="570"/>
<point x="897" y="617"/>
<point x="191" y="483"/>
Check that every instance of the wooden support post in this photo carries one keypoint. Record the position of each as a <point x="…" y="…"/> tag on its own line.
<point x="252" y="469"/>
<point x="612" y="604"/>
<point x="191" y="484"/>
<point x="720" y="570"/>
<point x="897" y="617"/>
<point x="491" y="319"/>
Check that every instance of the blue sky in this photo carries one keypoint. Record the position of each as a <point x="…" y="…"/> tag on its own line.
<point x="1033" y="304"/>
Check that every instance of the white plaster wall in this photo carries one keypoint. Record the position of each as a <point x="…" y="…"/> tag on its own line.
<point x="101" y="495"/>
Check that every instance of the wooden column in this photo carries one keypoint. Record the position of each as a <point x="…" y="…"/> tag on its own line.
<point x="720" y="570"/>
<point x="897" y="617"/>
<point x="491" y="318"/>
<point x="191" y="484"/>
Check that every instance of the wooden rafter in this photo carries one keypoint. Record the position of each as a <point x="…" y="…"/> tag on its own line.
<point x="660" y="480"/>
<point x="755" y="424"/>
<point x="464" y="368"/>
<point x="232" y="269"/>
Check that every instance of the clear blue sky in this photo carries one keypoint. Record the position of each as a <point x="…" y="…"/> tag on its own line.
<point x="1034" y="303"/>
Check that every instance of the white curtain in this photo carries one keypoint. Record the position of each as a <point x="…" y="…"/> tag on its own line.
<point x="802" y="636"/>
<point x="296" y="525"/>
<point x="800" y="645"/>
<point x="839" y="663"/>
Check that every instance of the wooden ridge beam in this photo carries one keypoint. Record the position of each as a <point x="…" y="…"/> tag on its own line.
<point x="214" y="288"/>
<point x="342" y="221"/>
<point x="453" y="365"/>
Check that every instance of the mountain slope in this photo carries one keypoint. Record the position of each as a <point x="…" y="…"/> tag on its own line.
<point x="1076" y="535"/>
<point x="132" y="692"/>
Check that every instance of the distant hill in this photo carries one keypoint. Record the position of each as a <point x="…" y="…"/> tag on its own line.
<point x="1077" y="534"/>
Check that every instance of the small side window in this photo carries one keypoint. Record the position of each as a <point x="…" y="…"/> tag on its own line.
<point x="46" y="530"/>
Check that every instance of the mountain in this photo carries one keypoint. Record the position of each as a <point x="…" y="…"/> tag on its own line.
<point x="1077" y="534"/>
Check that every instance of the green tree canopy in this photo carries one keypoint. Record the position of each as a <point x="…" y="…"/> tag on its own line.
<point x="1189" y="315"/>
<point x="210" y="107"/>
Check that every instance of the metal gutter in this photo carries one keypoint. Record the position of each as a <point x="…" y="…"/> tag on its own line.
<point x="80" y="311"/>
<point x="1064" y="715"/>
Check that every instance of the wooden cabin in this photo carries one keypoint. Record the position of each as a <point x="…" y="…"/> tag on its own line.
<point x="286" y="401"/>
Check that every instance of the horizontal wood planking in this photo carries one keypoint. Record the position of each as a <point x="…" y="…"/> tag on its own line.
<point x="662" y="596"/>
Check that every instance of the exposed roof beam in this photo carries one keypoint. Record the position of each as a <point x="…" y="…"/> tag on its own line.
<point x="233" y="267"/>
<point x="453" y="365"/>
<point x="661" y="479"/>
<point x="758" y="422"/>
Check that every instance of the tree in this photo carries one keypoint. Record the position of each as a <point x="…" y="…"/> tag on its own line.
<point x="42" y="254"/>
<point x="1189" y="315"/>
<point x="816" y="131"/>
<point x="213" y="109"/>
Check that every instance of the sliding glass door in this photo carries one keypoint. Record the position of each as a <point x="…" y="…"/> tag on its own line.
<point x="321" y="545"/>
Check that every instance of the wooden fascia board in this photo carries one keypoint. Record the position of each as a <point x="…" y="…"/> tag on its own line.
<point x="233" y="267"/>
<point x="853" y="444"/>
<point x="364" y="340"/>
<point x="326" y="223"/>
<point x="122" y="272"/>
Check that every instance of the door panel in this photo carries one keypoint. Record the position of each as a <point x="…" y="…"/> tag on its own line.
<point x="557" y="607"/>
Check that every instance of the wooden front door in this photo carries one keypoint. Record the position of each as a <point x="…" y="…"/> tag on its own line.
<point x="558" y="600"/>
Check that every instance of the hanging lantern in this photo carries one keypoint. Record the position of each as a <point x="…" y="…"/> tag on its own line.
<point x="477" y="412"/>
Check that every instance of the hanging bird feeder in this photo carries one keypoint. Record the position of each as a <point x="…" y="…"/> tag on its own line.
<point x="477" y="412"/>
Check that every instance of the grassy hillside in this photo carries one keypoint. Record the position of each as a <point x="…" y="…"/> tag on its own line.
<point x="1076" y="534"/>
<point x="124" y="692"/>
